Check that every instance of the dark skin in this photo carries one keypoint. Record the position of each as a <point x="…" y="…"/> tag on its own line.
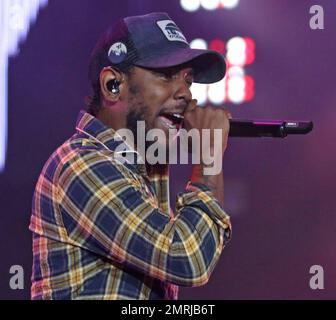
<point x="145" y="93"/>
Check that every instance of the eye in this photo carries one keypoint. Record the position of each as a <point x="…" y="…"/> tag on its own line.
<point x="169" y="75"/>
<point x="189" y="80"/>
<point x="165" y="75"/>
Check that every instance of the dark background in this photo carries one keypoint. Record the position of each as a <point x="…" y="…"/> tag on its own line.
<point x="279" y="193"/>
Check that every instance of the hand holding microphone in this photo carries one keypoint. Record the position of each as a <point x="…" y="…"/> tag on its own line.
<point x="251" y="128"/>
<point x="208" y="118"/>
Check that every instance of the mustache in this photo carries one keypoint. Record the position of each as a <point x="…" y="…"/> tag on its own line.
<point x="179" y="108"/>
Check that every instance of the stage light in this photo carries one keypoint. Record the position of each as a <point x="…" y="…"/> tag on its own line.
<point x="16" y="14"/>
<point x="250" y="50"/>
<point x="210" y="4"/>
<point x="200" y="93"/>
<point x="249" y="88"/>
<point x="194" y="5"/>
<point x="236" y="89"/>
<point x="216" y="93"/>
<point x="199" y="44"/>
<point x="218" y="45"/>
<point x="229" y="4"/>
<point x="236" y="51"/>
<point x="16" y="18"/>
<point x="235" y="71"/>
<point x="190" y="5"/>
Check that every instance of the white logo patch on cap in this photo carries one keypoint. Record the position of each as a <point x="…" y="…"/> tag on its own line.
<point x="171" y="31"/>
<point x="117" y="52"/>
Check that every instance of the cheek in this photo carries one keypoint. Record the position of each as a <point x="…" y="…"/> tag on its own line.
<point x="151" y="94"/>
<point x="157" y="98"/>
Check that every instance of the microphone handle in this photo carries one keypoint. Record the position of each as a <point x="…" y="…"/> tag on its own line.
<point x="264" y="128"/>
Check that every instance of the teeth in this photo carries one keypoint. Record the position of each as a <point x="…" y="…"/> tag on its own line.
<point x="167" y="123"/>
<point x="177" y="115"/>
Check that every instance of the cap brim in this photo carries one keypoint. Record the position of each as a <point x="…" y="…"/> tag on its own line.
<point x="208" y="66"/>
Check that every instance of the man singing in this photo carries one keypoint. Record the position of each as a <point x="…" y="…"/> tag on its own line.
<point x="102" y="225"/>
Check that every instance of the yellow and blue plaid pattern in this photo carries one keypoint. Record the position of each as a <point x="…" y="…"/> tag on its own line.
<point x="104" y="230"/>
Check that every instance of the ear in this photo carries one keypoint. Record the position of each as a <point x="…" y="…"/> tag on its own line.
<point x="106" y="75"/>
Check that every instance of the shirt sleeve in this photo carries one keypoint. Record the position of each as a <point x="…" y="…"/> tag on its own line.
<point x="106" y="209"/>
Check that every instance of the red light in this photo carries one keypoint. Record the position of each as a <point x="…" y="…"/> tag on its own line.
<point x="250" y="44"/>
<point x="249" y="88"/>
<point x="242" y="87"/>
<point x="221" y="5"/>
<point x="250" y="50"/>
<point x="226" y="89"/>
<point x="218" y="45"/>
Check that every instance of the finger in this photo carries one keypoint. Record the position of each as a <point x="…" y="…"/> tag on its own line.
<point x="228" y="113"/>
<point x="191" y="106"/>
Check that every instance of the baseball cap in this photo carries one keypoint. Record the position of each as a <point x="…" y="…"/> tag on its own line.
<point x="153" y="41"/>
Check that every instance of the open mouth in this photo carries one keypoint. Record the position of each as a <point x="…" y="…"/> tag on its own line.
<point x="171" y="120"/>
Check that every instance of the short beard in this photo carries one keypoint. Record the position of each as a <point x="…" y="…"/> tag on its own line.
<point x="133" y="116"/>
<point x="137" y="112"/>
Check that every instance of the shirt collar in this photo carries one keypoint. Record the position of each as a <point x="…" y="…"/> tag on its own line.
<point x="109" y="139"/>
<point x="96" y="130"/>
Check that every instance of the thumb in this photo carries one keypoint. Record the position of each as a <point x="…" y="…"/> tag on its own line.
<point x="191" y="106"/>
<point x="228" y="114"/>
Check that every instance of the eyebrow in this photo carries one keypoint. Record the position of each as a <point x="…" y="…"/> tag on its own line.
<point x="173" y="70"/>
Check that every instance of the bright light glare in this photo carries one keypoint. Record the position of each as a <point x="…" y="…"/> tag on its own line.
<point x="199" y="44"/>
<point x="235" y="71"/>
<point x="190" y="5"/>
<point x="230" y="4"/>
<point x="210" y="4"/>
<point x="236" y="51"/>
<point x="199" y="92"/>
<point x="16" y="16"/>
<point x="236" y="89"/>
<point x="216" y="92"/>
<point x="194" y="5"/>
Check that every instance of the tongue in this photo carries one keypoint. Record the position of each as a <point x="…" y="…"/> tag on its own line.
<point x="163" y="118"/>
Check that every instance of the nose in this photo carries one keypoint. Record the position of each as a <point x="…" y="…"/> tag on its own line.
<point x="182" y="87"/>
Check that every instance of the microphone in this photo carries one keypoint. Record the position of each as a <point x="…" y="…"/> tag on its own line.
<point x="268" y="128"/>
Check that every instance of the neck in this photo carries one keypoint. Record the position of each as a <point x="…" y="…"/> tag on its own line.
<point x="113" y="117"/>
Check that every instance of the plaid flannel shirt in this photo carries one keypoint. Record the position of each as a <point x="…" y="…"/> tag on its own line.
<point x="103" y="229"/>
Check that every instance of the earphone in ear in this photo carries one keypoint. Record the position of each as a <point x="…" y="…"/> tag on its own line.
<point x="113" y="86"/>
